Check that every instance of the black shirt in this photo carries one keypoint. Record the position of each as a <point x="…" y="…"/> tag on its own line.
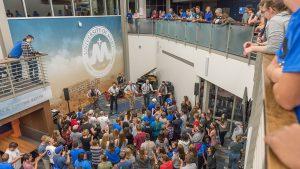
<point x="86" y="143"/>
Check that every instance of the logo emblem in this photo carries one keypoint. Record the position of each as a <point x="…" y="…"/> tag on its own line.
<point x="98" y="51"/>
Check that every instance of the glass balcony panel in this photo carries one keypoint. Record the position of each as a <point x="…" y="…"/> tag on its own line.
<point x="238" y="36"/>
<point x="203" y="34"/>
<point x="219" y="37"/>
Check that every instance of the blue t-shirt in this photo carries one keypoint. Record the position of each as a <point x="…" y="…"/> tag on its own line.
<point x="291" y="60"/>
<point x="113" y="157"/>
<point x="79" y="115"/>
<point x="208" y="16"/>
<point x="170" y="117"/>
<point x="16" y="51"/>
<point x="6" y="165"/>
<point x="168" y="16"/>
<point x="74" y="154"/>
<point x="203" y="149"/>
<point x="126" y="165"/>
<point x="60" y="162"/>
<point x="183" y="15"/>
<point x="116" y="126"/>
<point x="149" y="119"/>
<point x="85" y="164"/>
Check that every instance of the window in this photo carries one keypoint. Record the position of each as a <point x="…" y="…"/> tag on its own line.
<point x="37" y="8"/>
<point x="14" y="8"/>
<point x="62" y="8"/>
<point x="82" y="7"/>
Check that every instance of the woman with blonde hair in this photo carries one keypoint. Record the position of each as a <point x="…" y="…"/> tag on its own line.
<point x="104" y="142"/>
<point x="129" y="155"/>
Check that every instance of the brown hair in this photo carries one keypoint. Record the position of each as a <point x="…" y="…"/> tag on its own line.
<point x="277" y="5"/>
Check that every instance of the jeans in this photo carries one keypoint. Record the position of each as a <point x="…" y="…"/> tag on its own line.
<point x="147" y="99"/>
<point x="16" y="69"/>
<point x="222" y="137"/>
<point x="233" y="160"/>
<point x="33" y="70"/>
<point x="113" y="99"/>
<point x="46" y="163"/>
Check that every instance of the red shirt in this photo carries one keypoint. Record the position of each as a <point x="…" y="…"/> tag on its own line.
<point x="139" y="139"/>
<point x="74" y="122"/>
<point x="167" y="165"/>
<point x="196" y="123"/>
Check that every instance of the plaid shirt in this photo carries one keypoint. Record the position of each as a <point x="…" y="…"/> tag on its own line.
<point x="27" y="50"/>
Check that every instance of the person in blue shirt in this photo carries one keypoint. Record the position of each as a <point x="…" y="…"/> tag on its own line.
<point x="156" y="128"/>
<point x="182" y="14"/>
<point x="116" y="125"/>
<point x="82" y="162"/>
<point x="79" y="114"/>
<point x="148" y="118"/>
<point x="16" y="53"/>
<point x="112" y="154"/>
<point x="75" y="152"/>
<point x="170" y="116"/>
<point x="152" y="105"/>
<point x="285" y="68"/>
<point x="208" y="17"/>
<point x="4" y="163"/>
<point x="129" y="17"/>
<point x="202" y="152"/>
<point x="169" y="15"/>
<point x="61" y="159"/>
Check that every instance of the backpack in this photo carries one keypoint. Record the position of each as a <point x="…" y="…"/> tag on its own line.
<point x="16" y="51"/>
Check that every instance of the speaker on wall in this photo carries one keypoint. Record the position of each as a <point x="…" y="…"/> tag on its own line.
<point x="197" y="89"/>
<point x="66" y="94"/>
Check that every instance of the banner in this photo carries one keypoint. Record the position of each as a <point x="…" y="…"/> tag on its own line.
<point x="82" y="51"/>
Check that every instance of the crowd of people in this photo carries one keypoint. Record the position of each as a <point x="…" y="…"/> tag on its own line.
<point x="163" y="134"/>
<point x="218" y="16"/>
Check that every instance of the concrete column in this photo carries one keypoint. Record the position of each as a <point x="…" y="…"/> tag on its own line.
<point x="5" y="38"/>
<point x="168" y="5"/>
<point x="142" y="8"/>
<point x="136" y="5"/>
<point x="123" y="6"/>
<point x="207" y="86"/>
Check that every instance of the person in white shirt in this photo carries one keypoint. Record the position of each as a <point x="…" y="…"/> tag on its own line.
<point x="14" y="155"/>
<point x="130" y="92"/>
<point x="113" y="91"/>
<point x="103" y="121"/>
<point x="50" y="150"/>
<point x="146" y="90"/>
<point x="94" y="94"/>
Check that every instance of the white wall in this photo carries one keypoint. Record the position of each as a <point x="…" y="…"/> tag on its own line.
<point x="229" y="74"/>
<point x="142" y="55"/>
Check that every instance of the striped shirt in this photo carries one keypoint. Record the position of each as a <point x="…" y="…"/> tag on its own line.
<point x="96" y="153"/>
<point x="27" y="50"/>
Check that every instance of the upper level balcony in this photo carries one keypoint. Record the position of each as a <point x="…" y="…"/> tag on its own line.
<point x="225" y="40"/>
<point x="23" y="84"/>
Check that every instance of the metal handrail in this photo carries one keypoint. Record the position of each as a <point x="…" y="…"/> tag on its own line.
<point x="20" y="75"/>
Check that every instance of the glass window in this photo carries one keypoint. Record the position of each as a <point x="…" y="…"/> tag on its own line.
<point x="62" y="8"/>
<point x="14" y="8"/>
<point x="38" y="8"/>
<point x="82" y="7"/>
<point x="224" y="103"/>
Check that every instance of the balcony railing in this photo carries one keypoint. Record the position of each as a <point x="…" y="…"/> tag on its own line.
<point x="19" y="76"/>
<point x="228" y="39"/>
<point x="266" y="117"/>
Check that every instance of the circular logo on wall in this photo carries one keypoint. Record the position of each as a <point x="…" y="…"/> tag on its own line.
<point x="98" y="51"/>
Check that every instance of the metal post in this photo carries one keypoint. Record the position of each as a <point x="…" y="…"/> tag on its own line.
<point x="215" y="103"/>
<point x="210" y="38"/>
<point x="10" y="80"/>
<point x="228" y="40"/>
<point x="252" y="36"/>
<point x="25" y="10"/>
<point x="91" y="8"/>
<point x="232" y="113"/>
<point x="105" y="7"/>
<point x="196" y="40"/>
<point x="51" y="6"/>
<point x="184" y="33"/>
<point x="42" y="70"/>
<point x="117" y="7"/>
<point x="138" y="26"/>
<point x="73" y="8"/>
